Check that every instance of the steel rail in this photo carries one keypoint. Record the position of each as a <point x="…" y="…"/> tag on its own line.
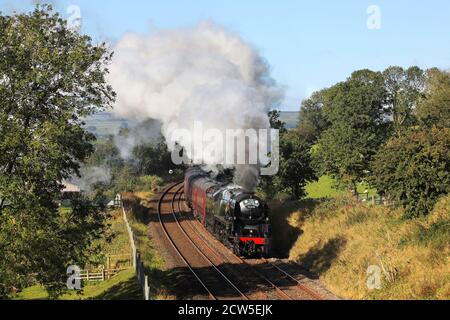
<point x="277" y="289"/>
<point x="299" y="284"/>
<point x="211" y="295"/>
<point x="200" y="251"/>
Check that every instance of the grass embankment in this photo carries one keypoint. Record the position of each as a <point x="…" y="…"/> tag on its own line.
<point x="122" y="286"/>
<point x="153" y="262"/>
<point x="339" y="239"/>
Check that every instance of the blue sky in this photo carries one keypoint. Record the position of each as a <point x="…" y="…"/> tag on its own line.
<point x="309" y="44"/>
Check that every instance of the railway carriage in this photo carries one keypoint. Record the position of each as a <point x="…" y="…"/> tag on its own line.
<point x="237" y="218"/>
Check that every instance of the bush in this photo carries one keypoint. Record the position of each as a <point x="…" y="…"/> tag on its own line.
<point x="414" y="169"/>
<point x="148" y="183"/>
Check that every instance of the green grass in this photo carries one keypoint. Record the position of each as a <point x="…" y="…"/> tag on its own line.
<point x="121" y="287"/>
<point x="326" y="188"/>
<point x="153" y="262"/>
<point x="124" y="286"/>
<point x="115" y="242"/>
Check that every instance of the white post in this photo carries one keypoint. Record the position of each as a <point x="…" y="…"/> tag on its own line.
<point x="134" y="258"/>
<point x="146" y="289"/>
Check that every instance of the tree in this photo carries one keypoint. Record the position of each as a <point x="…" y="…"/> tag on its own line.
<point x="434" y="107"/>
<point x="312" y="121"/>
<point x="275" y="122"/>
<point x="414" y="169"/>
<point x="153" y="158"/>
<point x="355" y="110"/>
<point x="50" y="78"/>
<point x="404" y="88"/>
<point x="295" y="163"/>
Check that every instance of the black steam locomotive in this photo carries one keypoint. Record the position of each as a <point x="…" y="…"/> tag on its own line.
<point x="237" y="218"/>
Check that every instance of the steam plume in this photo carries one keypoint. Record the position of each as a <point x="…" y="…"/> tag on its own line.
<point x="203" y="73"/>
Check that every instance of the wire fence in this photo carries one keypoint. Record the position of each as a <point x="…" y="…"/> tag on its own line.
<point x="374" y="200"/>
<point x="136" y="257"/>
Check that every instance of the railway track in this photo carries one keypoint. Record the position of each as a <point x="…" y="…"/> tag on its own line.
<point x="215" y="283"/>
<point x="304" y="288"/>
<point x="273" y="276"/>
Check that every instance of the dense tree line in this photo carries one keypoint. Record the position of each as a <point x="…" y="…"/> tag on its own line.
<point x="388" y="128"/>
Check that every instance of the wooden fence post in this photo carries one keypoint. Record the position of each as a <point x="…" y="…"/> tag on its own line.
<point x="134" y="258"/>
<point x="146" y="289"/>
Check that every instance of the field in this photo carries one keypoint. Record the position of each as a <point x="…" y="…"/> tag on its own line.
<point x="122" y="286"/>
<point x="326" y="187"/>
<point x="104" y="123"/>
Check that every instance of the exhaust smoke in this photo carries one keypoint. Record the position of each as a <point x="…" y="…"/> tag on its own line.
<point x="199" y="74"/>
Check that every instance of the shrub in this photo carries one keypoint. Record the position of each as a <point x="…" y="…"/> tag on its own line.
<point x="148" y="183"/>
<point x="414" y="169"/>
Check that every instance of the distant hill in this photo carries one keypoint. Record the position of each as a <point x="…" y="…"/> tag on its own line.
<point x="104" y="123"/>
<point x="290" y="118"/>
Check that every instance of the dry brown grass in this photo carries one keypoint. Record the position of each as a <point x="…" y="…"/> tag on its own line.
<point x="339" y="240"/>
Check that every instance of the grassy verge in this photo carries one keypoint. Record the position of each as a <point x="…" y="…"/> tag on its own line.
<point x="153" y="262"/>
<point x="339" y="240"/>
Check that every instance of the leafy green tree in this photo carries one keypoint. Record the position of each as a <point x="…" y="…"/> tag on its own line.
<point x="414" y="169"/>
<point x="434" y="107"/>
<point x="124" y="179"/>
<point x="106" y="153"/>
<point x="312" y="121"/>
<point x="414" y="166"/>
<point x="404" y="88"/>
<point x="153" y="158"/>
<point x="295" y="163"/>
<point x="275" y="122"/>
<point x="50" y="78"/>
<point x="355" y="110"/>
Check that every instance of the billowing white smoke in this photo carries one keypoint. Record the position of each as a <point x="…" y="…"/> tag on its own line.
<point x="148" y="131"/>
<point x="90" y="176"/>
<point x="204" y="73"/>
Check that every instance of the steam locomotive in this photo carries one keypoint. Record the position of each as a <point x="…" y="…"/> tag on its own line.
<point x="237" y="218"/>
